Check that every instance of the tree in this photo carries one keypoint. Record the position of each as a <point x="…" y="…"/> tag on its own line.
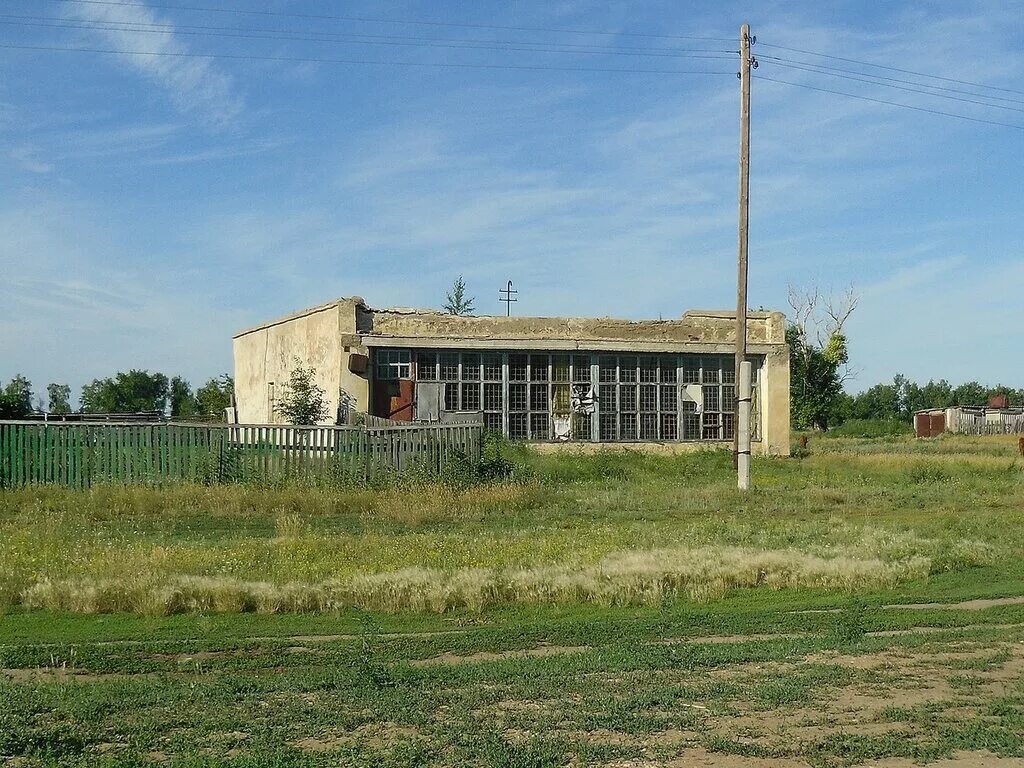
<point x="60" y="398"/>
<point x="16" y="398"/>
<point x="215" y="396"/>
<point x="183" y="404"/>
<point x="818" y="356"/>
<point x="132" y="392"/>
<point x="302" y="401"/>
<point x="458" y="303"/>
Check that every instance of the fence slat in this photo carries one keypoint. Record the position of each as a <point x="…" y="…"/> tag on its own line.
<point x="80" y="454"/>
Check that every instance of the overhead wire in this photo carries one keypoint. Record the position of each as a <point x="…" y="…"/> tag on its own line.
<point x="840" y="70"/>
<point x="890" y="103"/>
<point x="588" y="47"/>
<point x="897" y="87"/>
<point x="379" y="20"/>
<point x="911" y="86"/>
<point x="891" y="68"/>
<point x="358" y="40"/>
<point x="317" y="60"/>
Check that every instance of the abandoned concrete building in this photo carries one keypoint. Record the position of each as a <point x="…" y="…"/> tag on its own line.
<point x="545" y="379"/>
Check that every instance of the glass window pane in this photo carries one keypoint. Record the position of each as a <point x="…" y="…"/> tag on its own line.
<point x="426" y="366"/>
<point x="517" y="397"/>
<point x="560" y="398"/>
<point x="669" y="397"/>
<point x="517" y="367"/>
<point x="668" y="370"/>
<point x="648" y="426"/>
<point x="609" y="424"/>
<point x="492" y="367"/>
<point x="627" y="398"/>
<point x="729" y="399"/>
<point x="710" y="370"/>
<point x="608" y="367"/>
<point x="581" y="369"/>
<point x="691" y="369"/>
<point x="728" y="370"/>
<point x="648" y="398"/>
<point x="560" y="368"/>
<point x="451" y="397"/>
<point x="492" y="397"/>
<point x="712" y="401"/>
<point x="607" y="400"/>
<point x="627" y="426"/>
<point x="470" y="366"/>
<point x="517" y="426"/>
<point x="538" y="367"/>
<point x="627" y="369"/>
<point x="669" y="427"/>
<point x="449" y="366"/>
<point x="539" y="426"/>
<point x="538" y="397"/>
<point x="471" y="397"/>
<point x="648" y="369"/>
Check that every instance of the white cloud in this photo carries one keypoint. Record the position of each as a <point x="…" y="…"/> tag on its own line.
<point x="195" y="86"/>
<point x="27" y="158"/>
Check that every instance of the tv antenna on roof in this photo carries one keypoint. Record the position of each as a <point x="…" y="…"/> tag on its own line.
<point x="508" y="296"/>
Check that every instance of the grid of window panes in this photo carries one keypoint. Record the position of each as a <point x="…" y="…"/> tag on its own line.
<point x="392" y="364"/>
<point x="637" y="397"/>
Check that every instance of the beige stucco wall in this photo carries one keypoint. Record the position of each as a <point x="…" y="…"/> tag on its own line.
<point x="775" y="402"/>
<point x="268" y="354"/>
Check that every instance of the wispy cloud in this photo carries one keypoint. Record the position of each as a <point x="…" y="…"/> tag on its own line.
<point x="27" y="158"/>
<point x="195" y="86"/>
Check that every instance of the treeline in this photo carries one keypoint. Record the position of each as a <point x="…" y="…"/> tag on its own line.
<point x="899" y="400"/>
<point x="133" y="391"/>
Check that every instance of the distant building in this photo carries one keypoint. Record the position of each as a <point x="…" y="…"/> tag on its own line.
<point x="998" y="418"/>
<point x="555" y="379"/>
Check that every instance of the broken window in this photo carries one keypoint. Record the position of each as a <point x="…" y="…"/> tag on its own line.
<point x="634" y="396"/>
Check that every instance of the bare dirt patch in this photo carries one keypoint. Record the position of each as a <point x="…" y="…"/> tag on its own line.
<point x="485" y="656"/>
<point x="376" y="734"/>
<point x="967" y="605"/>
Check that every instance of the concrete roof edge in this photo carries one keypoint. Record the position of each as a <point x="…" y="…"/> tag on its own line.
<point x="296" y="315"/>
<point x="729" y="313"/>
<point x="716" y="313"/>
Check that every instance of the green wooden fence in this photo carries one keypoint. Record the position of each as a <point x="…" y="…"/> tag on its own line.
<point x="82" y="454"/>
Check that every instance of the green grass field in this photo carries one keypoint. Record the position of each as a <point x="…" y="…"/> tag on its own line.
<point x="861" y="606"/>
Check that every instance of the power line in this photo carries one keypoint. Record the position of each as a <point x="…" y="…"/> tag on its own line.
<point x="500" y="46"/>
<point x="897" y="87"/>
<point x="307" y="59"/>
<point x="586" y="47"/>
<point x="891" y="103"/>
<point x="892" y="69"/>
<point x="372" y="20"/>
<point x="823" y="68"/>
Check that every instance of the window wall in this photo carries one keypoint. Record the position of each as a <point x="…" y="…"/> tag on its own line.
<point x="597" y="397"/>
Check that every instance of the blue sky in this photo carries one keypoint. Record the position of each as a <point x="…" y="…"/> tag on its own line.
<point x="151" y="206"/>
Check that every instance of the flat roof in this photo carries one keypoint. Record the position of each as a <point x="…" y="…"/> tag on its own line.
<point x="415" y="311"/>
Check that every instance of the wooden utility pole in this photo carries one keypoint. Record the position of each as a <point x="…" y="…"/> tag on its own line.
<point x="741" y="281"/>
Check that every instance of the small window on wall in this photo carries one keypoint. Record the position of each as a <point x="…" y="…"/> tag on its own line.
<point x="426" y="366"/>
<point x="392" y="364"/>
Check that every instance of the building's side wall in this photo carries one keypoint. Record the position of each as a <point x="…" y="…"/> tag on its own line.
<point x="775" y="403"/>
<point x="265" y="357"/>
